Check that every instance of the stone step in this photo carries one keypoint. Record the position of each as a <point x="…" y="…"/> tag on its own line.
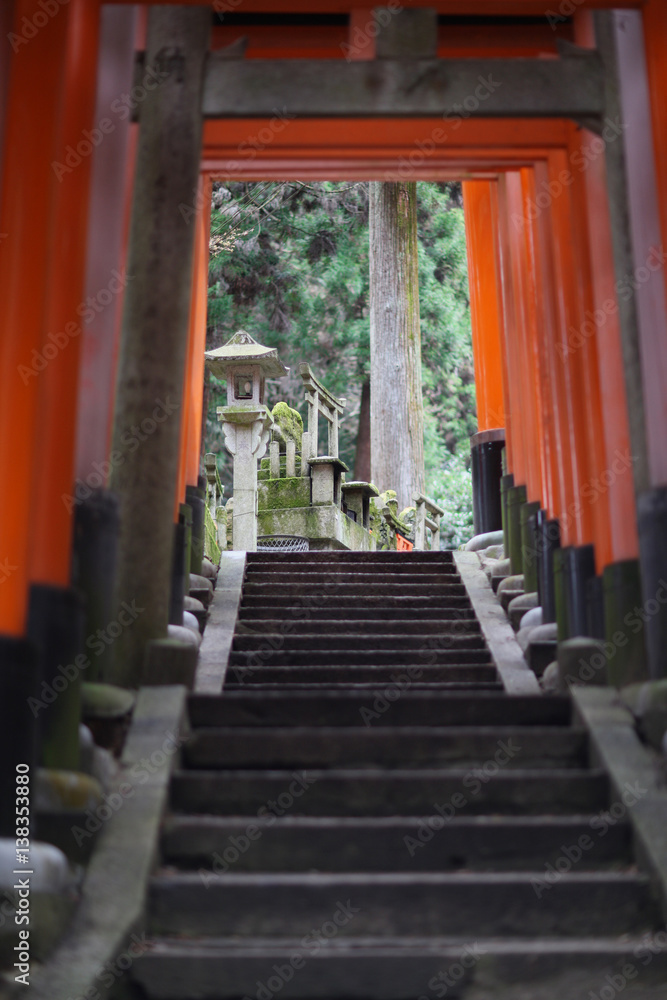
<point x="389" y="968"/>
<point x="365" y="615"/>
<point x="401" y="904"/>
<point x="295" y="587"/>
<point x="383" y="676"/>
<point x="357" y="657"/>
<point x="379" y="844"/>
<point x="387" y="675"/>
<point x="255" y="686"/>
<point x="399" y="627"/>
<point x="330" y="583"/>
<point x="372" y="606"/>
<point x="364" y="563"/>
<point x="345" y="709"/>
<point x="334" y="556"/>
<point x="400" y="576"/>
<point x="320" y="746"/>
<point x="353" y="642"/>
<point x="404" y="792"/>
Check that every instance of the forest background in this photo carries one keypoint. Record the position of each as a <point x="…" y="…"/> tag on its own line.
<point x="289" y="264"/>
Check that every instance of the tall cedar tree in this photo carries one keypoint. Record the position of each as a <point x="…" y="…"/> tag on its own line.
<point x="397" y="412"/>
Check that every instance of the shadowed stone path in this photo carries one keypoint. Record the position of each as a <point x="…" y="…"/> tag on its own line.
<point x="366" y="812"/>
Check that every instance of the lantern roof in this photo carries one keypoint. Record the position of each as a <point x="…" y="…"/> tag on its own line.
<point x="242" y="348"/>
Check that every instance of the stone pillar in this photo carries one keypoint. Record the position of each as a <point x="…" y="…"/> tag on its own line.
<point x="146" y="438"/>
<point x="246" y="436"/>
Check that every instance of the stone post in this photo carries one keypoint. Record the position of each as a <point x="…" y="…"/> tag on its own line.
<point x="246" y="436"/>
<point x="146" y="438"/>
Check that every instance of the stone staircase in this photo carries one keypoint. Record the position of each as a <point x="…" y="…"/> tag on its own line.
<point x="364" y="813"/>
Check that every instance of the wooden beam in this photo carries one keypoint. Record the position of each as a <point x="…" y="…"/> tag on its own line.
<point x="570" y="87"/>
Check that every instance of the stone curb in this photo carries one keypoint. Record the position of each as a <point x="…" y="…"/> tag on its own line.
<point x="617" y="748"/>
<point x="516" y="675"/>
<point x="112" y="905"/>
<point x="223" y="612"/>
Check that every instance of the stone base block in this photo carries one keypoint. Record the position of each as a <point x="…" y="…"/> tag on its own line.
<point x="197" y="609"/>
<point x="540" y="654"/>
<point x="533" y="618"/>
<point x="518" y="607"/>
<point x="648" y="704"/>
<point x="483" y="541"/>
<point x="168" y="661"/>
<point x="582" y="660"/>
<point x="510" y="588"/>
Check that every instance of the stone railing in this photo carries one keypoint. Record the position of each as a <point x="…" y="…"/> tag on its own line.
<point x="427" y="515"/>
<point x="319" y="400"/>
<point x="216" y="515"/>
<point x="326" y="471"/>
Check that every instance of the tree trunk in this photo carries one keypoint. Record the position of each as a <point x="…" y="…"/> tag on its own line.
<point x="397" y="414"/>
<point x="362" y="458"/>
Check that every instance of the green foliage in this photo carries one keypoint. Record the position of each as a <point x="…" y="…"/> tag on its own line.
<point x="291" y="268"/>
<point x="451" y="488"/>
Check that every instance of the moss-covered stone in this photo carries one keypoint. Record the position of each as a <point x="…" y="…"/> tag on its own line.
<point x="105" y="701"/>
<point x="264" y="473"/>
<point x="211" y="547"/>
<point x="288" y="425"/>
<point x="281" y="494"/>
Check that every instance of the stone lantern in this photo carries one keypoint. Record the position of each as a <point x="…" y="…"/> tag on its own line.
<point x="246" y="422"/>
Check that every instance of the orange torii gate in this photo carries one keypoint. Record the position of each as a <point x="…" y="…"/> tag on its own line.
<point x="566" y="228"/>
